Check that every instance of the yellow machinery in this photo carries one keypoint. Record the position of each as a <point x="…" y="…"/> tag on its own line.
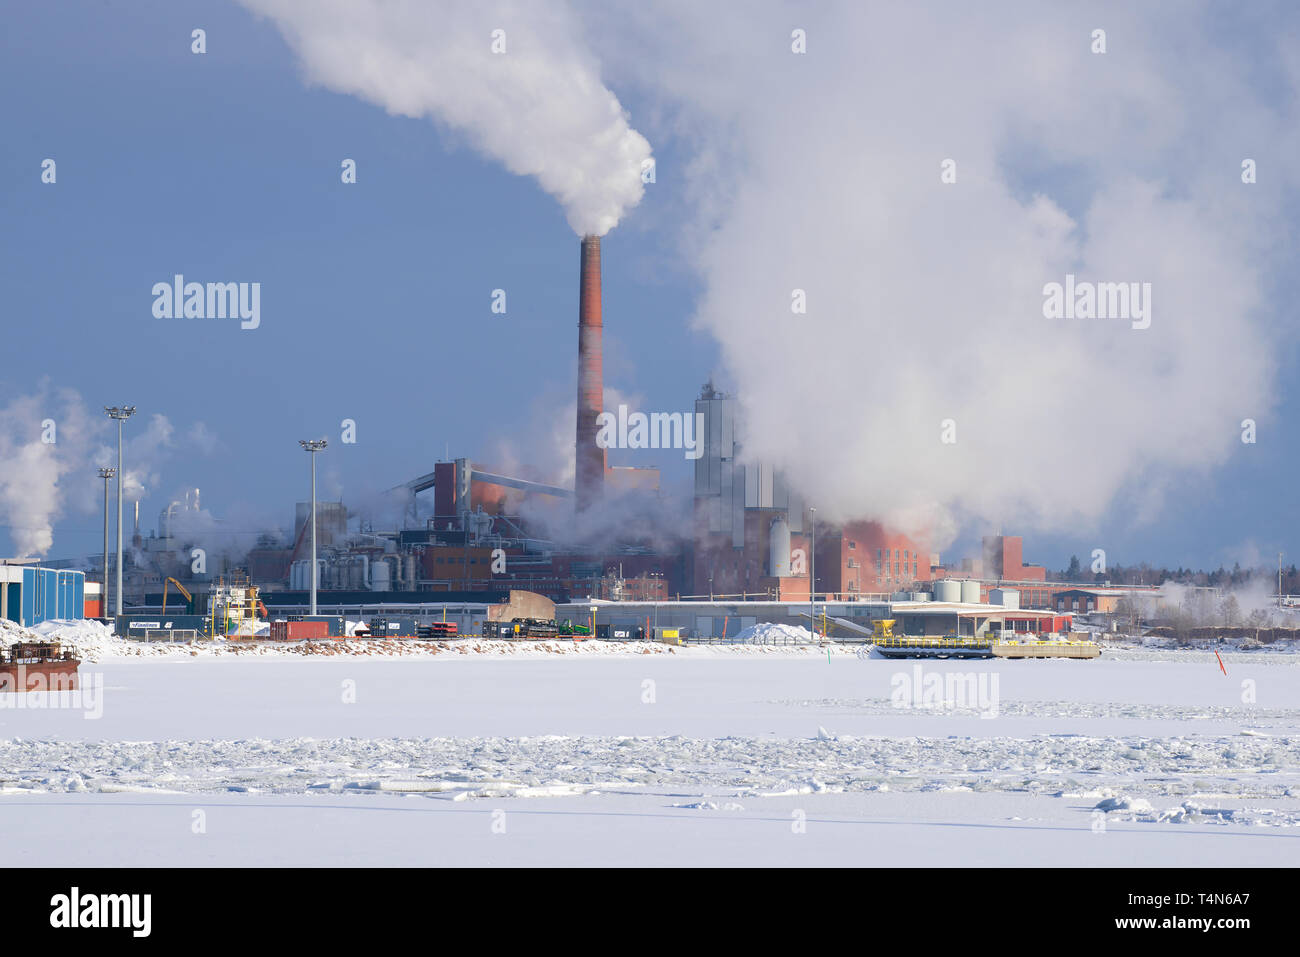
<point x="179" y="587"/>
<point x="883" y="628"/>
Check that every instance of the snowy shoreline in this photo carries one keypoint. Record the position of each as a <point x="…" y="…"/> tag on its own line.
<point x="94" y="642"/>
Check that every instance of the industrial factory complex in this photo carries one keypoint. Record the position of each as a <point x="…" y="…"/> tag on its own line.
<point x="476" y="544"/>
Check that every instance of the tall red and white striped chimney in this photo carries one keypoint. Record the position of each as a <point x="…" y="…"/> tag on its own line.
<point x="590" y="458"/>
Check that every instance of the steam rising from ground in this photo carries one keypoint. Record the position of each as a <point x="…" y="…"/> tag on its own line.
<point x="539" y="107"/>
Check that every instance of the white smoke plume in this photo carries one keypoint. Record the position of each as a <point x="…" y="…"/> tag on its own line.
<point x="822" y="173"/>
<point x="539" y="107"/>
<point x="42" y="482"/>
<point x="33" y="470"/>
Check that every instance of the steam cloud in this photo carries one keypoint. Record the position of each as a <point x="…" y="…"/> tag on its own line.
<point x="540" y="107"/>
<point x="31" y="497"/>
<point x="40" y="482"/>
<point x="821" y="172"/>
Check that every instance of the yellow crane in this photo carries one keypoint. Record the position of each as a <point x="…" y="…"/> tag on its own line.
<point x="179" y="587"/>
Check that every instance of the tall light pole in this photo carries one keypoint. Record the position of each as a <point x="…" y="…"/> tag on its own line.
<point x="313" y="446"/>
<point x="812" y="568"/>
<point x="105" y="474"/>
<point x="121" y="414"/>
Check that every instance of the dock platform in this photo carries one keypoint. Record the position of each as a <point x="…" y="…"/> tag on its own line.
<point x="1062" y="648"/>
<point x="897" y="646"/>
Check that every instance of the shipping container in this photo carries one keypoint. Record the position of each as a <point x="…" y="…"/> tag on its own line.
<point x="620" y="632"/>
<point x="334" y="622"/>
<point x="137" y="625"/>
<point x="282" y="630"/>
<point x="393" y="627"/>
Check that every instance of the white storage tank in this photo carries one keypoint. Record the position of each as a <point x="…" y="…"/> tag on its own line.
<point x="779" y="550"/>
<point x="1006" y="597"/>
<point x="947" y="590"/>
<point x="920" y="596"/>
<point x="970" y="593"/>
<point x="380" y="575"/>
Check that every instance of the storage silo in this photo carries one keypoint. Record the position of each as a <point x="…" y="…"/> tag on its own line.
<point x="778" y="561"/>
<point x="380" y="575"/>
<point x="947" y="590"/>
<point x="920" y="596"/>
<point x="970" y="592"/>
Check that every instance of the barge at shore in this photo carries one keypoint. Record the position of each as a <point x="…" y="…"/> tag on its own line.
<point x="38" y="666"/>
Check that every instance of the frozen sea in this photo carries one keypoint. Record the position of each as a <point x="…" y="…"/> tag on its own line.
<point x="696" y="757"/>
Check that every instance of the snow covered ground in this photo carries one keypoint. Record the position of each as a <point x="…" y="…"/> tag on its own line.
<point x="559" y="752"/>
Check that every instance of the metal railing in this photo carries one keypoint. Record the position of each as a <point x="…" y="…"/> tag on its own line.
<point x="168" y="634"/>
<point x="777" y="640"/>
<point x="928" y="641"/>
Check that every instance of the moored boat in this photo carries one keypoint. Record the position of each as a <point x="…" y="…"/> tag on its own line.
<point x="38" y="666"/>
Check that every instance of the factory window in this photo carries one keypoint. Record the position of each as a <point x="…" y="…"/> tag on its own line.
<point x="907" y="555"/>
<point x="853" y="544"/>
<point x="1074" y="604"/>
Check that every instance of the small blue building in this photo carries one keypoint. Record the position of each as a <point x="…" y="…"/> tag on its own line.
<point x="30" y="594"/>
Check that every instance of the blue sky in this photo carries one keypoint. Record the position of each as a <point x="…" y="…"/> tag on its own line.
<point x="375" y="297"/>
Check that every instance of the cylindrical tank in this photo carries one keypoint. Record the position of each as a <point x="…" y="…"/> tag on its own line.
<point x="410" y="578"/>
<point x="970" y="593"/>
<point x="920" y="596"/>
<point x="380" y="576"/>
<point x="778" y="561"/>
<point x="947" y="590"/>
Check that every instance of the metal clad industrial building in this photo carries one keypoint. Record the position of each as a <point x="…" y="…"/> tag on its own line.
<point x="30" y="595"/>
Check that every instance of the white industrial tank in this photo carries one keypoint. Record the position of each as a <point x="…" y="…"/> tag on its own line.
<point x="970" y="593"/>
<point x="380" y="575"/>
<point x="779" y="550"/>
<point x="947" y="590"/>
